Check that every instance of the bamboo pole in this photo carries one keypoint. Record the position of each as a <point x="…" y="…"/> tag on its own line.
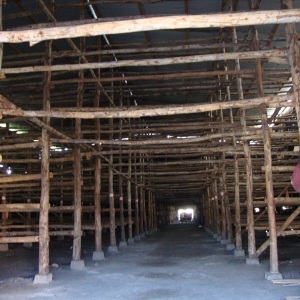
<point x="155" y="23"/>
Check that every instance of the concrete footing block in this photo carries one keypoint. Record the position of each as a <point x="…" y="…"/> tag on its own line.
<point x="252" y="261"/>
<point x="27" y="245"/>
<point x="123" y="244"/>
<point x="273" y="276"/>
<point x="130" y="241"/>
<point x="215" y="236"/>
<point x="137" y="238"/>
<point x="77" y="265"/>
<point x="42" y="279"/>
<point x="3" y="247"/>
<point x="240" y="253"/>
<point x="98" y="255"/>
<point x="230" y="247"/>
<point x="112" y="249"/>
<point x="147" y="233"/>
<point x="142" y="235"/>
<point x="219" y="238"/>
<point x="224" y="242"/>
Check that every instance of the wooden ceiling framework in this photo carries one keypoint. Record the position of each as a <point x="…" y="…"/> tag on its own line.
<point x="102" y="134"/>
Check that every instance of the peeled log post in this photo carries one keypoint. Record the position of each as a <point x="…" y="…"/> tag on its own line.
<point x="98" y="253"/>
<point x="44" y="276"/>
<point x="76" y="262"/>
<point x="97" y="28"/>
<point x="293" y="57"/>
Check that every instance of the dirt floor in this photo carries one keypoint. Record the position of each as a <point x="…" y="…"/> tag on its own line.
<point x="177" y="262"/>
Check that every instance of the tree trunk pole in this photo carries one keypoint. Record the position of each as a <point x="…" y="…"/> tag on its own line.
<point x="76" y="262"/>
<point x="252" y="258"/>
<point x="294" y="58"/>
<point x="44" y="276"/>
<point x="98" y="253"/>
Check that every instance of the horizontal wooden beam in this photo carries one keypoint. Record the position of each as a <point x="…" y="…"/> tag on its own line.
<point x="15" y="178"/>
<point x="150" y="62"/>
<point x="19" y="207"/>
<point x="22" y="239"/>
<point x="143" y="111"/>
<point x="101" y="27"/>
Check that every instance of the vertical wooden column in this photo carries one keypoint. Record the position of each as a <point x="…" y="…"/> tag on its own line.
<point x="98" y="253"/>
<point x="129" y="209"/>
<point x="223" y="212"/>
<point x="76" y="262"/>
<point x="112" y="217"/>
<point x="273" y="274"/>
<point x="44" y="276"/>
<point x="150" y="213"/>
<point x="142" y="200"/>
<point x="294" y="58"/>
<point x="28" y="214"/>
<point x="137" y="237"/>
<point x="252" y="257"/>
<point x="123" y="242"/>
<point x="239" y="251"/>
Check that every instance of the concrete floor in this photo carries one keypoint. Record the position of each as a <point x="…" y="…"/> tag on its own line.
<point x="179" y="262"/>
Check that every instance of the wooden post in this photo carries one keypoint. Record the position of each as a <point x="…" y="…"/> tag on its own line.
<point x="252" y="258"/>
<point x="123" y="242"/>
<point x="44" y="276"/>
<point x="112" y="215"/>
<point x="98" y="253"/>
<point x="273" y="274"/>
<point x="294" y="58"/>
<point x="137" y="237"/>
<point x="76" y="262"/>
<point x="129" y="209"/>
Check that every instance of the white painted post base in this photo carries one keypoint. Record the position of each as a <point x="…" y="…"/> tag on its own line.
<point x="98" y="255"/>
<point x="77" y="265"/>
<point x="42" y="279"/>
<point x="252" y="261"/>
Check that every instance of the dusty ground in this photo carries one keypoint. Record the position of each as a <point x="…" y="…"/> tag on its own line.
<point x="179" y="262"/>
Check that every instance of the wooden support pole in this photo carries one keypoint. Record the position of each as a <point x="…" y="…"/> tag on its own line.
<point x="97" y="28"/>
<point x="270" y="196"/>
<point x="98" y="253"/>
<point x="136" y="112"/>
<point x="123" y="242"/>
<point x="293" y="57"/>
<point x="76" y="262"/>
<point x="44" y="239"/>
<point x="112" y="213"/>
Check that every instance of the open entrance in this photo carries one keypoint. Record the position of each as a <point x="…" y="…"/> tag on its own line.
<point x="186" y="215"/>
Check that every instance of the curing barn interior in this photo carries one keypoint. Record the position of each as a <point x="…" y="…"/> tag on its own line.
<point x="117" y="114"/>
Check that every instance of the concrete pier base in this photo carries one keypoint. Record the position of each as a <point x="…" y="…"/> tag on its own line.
<point x="240" y="253"/>
<point x="77" y="265"/>
<point x="142" y="235"/>
<point x="130" y="241"/>
<point x="219" y="238"/>
<point x="98" y="255"/>
<point x="137" y="238"/>
<point x="252" y="261"/>
<point x="112" y="249"/>
<point x="224" y="242"/>
<point x="27" y="245"/>
<point x="122" y="244"/>
<point x="273" y="276"/>
<point x="215" y="236"/>
<point x="230" y="247"/>
<point x="146" y="233"/>
<point x="42" y="279"/>
<point x="3" y="247"/>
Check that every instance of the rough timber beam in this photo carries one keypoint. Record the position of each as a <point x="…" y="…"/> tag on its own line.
<point x="148" y="24"/>
<point x="140" y="111"/>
